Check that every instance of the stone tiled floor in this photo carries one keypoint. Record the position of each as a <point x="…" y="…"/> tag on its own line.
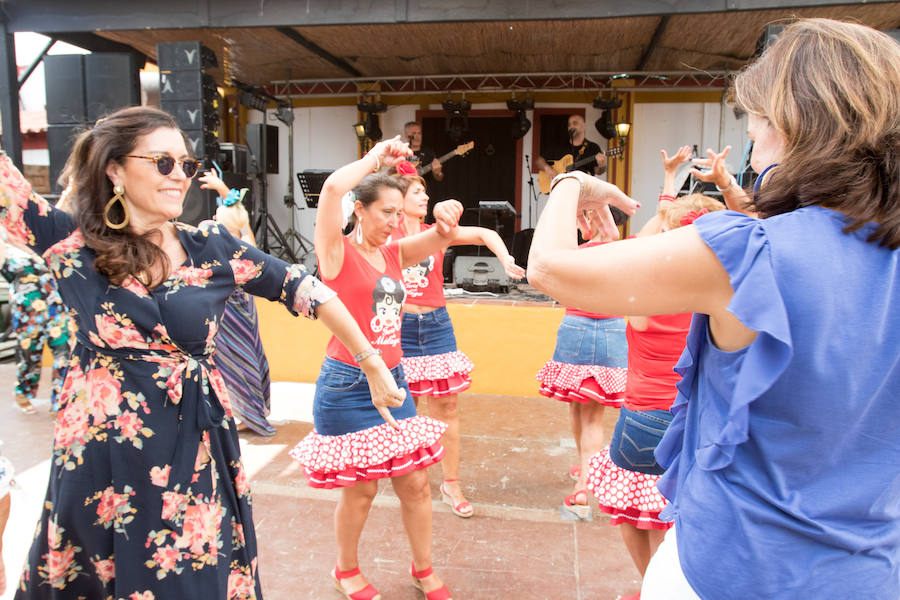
<point x="516" y="453"/>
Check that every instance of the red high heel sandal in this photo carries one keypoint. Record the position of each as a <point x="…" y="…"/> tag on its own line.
<point x="442" y="593"/>
<point x="367" y="593"/>
<point x="463" y="509"/>
<point x="582" y="511"/>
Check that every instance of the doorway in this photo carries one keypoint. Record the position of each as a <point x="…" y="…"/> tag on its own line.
<point x="491" y="171"/>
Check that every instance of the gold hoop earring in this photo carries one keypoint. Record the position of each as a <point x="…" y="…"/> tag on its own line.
<point x="359" y="236"/>
<point x="120" y="198"/>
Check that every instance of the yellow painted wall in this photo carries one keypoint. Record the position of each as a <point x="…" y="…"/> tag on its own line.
<point x="508" y="344"/>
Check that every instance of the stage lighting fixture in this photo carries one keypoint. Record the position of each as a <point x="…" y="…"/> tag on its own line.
<point x="521" y="125"/>
<point x="373" y="128"/>
<point x="456" y="120"/>
<point x="604" y="124"/>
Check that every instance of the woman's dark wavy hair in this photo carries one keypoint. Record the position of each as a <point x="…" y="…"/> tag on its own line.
<point x="832" y="90"/>
<point x="122" y="252"/>
<point x="368" y="190"/>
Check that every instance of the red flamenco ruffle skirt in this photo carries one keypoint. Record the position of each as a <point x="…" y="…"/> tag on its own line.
<point x="627" y="496"/>
<point x="438" y="374"/>
<point x="375" y="453"/>
<point x="583" y="383"/>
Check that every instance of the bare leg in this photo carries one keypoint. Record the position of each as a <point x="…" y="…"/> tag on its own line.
<point x="4" y="516"/>
<point x="349" y="518"/>
<point x="575" y="422"/>
<point x="656" y="538"/>
<point x="638" y="543"/>
<point x="591" y="439"/>
<point x="444" y="408"/>
<point x="415" y="507"/>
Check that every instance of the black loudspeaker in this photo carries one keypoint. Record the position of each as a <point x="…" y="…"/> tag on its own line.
<point x="111" y="81"/>
<point x="59" y="143"/>
<point x="201" y="143"/>
<point x="522" y="246"/>
<point x="189" y="94"/>
<point x="200" y="205"/>
<point x="64" y="81"/>
<point x="263" y="143"/>
<point x="178" y="86"/>
<point x="185" y="56"/>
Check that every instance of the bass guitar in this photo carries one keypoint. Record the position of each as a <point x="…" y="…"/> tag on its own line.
<point x="567" y="164"/>
<point x="459" y="151"/>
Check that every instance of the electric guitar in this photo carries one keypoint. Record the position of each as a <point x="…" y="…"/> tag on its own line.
<point x="459" y="151"/>
<point x="567" y="164"/>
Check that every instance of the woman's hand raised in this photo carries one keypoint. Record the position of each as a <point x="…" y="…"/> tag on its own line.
<point x="390" y="152"/>
<point x="446" y="216"/>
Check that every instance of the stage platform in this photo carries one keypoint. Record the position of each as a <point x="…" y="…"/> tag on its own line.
<point x="508" y="337"/>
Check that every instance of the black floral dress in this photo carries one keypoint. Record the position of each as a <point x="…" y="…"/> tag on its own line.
<point x="148" y="499"/>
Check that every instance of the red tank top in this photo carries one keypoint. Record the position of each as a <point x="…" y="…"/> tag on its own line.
<point x="652" y="355"/>
<point x="424" y="282"/>
<point x="374" y="299"/>
<point x="583" y="313"/>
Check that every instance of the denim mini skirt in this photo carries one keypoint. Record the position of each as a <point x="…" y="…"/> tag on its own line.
<point x="351" y="442"/>
<point x="343" y="404"/>
<point x="586" y="341"/>
<point x="427" y="334"/>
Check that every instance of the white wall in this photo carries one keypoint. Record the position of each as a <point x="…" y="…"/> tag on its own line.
<point x="671" y="125"/>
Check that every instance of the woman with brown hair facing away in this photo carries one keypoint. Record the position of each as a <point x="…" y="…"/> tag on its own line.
<point x="352" y="445"/>
<point x="587" y="370"/>
<point x="435" y="369"/>
<point x="148" y="498"/>
<point x="782" y="458"/>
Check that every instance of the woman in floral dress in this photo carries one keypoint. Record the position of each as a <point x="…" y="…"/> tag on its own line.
<point x="148" y="498"/>
<point x="38" y="317"/>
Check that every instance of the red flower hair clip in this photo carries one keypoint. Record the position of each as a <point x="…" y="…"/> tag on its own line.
<point x="406" y="169"/>
<point x="692" y="216"/>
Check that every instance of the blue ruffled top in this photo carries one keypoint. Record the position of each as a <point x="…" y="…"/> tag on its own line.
<point x="784" y="457"/>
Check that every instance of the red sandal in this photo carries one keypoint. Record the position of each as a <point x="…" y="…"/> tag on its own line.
<point x="463" y="509"/>
<point x="367" y="593"/>
<point x="575" y="472"/>
<point x="582" y="511"/>
<point x="442" y="593"/>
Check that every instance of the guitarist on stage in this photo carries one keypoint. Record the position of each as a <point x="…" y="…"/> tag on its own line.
<point x="424" y="155"/>
<point x="580" y="148"/>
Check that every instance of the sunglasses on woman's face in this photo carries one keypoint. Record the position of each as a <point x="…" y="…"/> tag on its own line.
<point x="165" y="164"/>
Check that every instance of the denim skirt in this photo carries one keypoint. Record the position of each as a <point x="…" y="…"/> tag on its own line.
<point x="427" y="334"/>
<point x="586" y="341"/>
<point x="343" y="403"/>
<point x="351" y="441"/>
<point x="636" y="436"/>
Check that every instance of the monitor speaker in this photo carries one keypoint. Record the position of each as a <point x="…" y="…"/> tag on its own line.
<point x="64" y="83"/>
<point x="263" y="143"/>
<point x="60" y="139"/>
<point x="111" y="82"/>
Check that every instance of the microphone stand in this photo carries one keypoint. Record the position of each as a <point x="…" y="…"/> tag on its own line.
<point x="533" y="200"/>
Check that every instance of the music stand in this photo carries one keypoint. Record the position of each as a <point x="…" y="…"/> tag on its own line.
<point x="311" y="182"/>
